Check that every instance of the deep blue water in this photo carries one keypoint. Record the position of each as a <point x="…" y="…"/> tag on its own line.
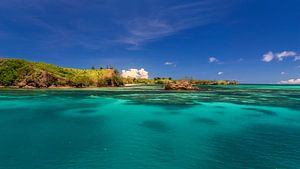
<point x="245" y="126"/>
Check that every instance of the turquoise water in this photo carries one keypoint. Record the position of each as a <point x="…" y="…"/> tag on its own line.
<point x="245" y="126"/>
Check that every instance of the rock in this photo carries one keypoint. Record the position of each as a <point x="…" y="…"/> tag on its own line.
<point x="14" y="87"/>
<point x="29" y="87"/>
<point x="180" y="85"/>
<point x="21" y="84"/>
<point x="37" y="80"/>
<point x="59" y="87"/>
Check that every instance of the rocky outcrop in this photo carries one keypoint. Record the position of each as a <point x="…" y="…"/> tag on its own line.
<point x="180" y="85"/>
<point x="37" y="80"/>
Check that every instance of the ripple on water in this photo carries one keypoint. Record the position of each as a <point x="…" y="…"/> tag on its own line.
<point x="54" y="144"/>
<point x="260" y="146"/>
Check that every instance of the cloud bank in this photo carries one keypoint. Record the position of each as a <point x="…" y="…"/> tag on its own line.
<point x="135" y="73"/>
<point x="290" y="81"/>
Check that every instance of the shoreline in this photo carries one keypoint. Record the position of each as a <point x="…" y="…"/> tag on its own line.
<point x="57" y="87"/>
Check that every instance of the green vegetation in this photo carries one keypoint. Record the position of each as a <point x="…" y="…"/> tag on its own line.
<point x="21" y="73"/>
<point x="156" y="80"/>
<point x="163" y="80"/>
<point x="214" y="82"/>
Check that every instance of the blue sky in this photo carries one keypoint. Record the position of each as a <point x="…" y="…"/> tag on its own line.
<point x="252" y="41"/>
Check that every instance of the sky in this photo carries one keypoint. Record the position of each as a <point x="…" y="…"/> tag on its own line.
<point x="252" y="41"/>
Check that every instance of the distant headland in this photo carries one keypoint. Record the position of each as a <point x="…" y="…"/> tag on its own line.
<point x="19" y="73"/>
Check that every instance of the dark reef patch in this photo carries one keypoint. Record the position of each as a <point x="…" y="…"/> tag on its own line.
<point x="155" y="125"/>
<point x="219" y="112"/>
<point x="291" y="120"/>
<point x="86" y="111"/>
<point x="220" y="107"/>
<point x="204" y="120"/>
<point x="265" y="112"/>
<point x="166" y="113"/>
<point x="173" y="112"/>
<point x="253" y="115"/>
<point x="167" y="105"/>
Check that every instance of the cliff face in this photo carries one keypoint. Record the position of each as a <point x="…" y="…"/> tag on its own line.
<point x="41" y="80"/>
<point x="24" y="74"/>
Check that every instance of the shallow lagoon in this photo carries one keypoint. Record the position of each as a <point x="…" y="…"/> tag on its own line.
<point x="244" y="126"/>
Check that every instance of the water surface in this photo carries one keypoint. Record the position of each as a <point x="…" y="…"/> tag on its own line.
<point x="245" y="126"/>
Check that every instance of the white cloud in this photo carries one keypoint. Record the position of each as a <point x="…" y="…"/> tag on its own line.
<point x="220" y="73"/>
<point x="290" y="81"/>
<point x="240" y="59"/>
<point x="213" y="60"/>
<point x="297" y="58"/>
<point x="268" y="57"/>
<point x="283" y="73"/>
<point x="280" y="56"/>
<point x="157" y="20"/>
<point x="135" y="73"/>
<point x="163" y="21"/>
<point x="169" y="63"/>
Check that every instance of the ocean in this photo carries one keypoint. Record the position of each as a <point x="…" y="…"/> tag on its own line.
<point x="145" y="127"/>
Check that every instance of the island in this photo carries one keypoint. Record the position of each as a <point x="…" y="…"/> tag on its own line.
<point x="180" y="85"/>
<point x="19" y="73"/>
